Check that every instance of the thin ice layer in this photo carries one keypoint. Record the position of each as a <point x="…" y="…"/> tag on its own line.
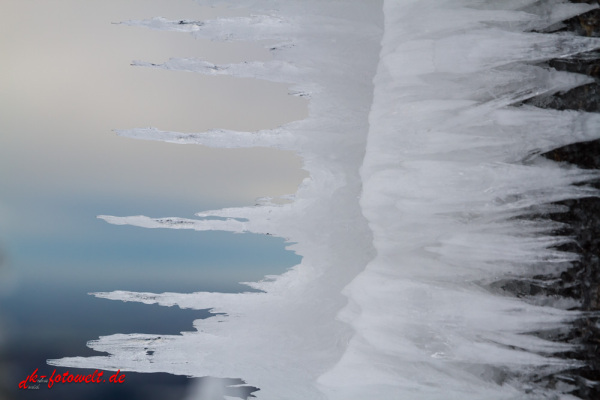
<point x="418" y="195"/>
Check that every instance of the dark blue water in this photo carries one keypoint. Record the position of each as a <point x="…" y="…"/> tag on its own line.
<point x="48" y="313"/>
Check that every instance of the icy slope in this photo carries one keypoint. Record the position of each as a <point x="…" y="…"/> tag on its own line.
<point x="424" y="184"/>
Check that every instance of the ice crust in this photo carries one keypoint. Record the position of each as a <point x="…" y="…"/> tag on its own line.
<point x="421" y="173"/>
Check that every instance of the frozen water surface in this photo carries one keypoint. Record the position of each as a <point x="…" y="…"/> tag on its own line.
<point x="423" y="174"/>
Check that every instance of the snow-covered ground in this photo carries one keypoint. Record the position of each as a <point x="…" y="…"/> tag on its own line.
<point x="422" y="179"/>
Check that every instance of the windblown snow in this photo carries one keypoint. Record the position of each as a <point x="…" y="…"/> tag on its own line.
<point x="423" y="174"/>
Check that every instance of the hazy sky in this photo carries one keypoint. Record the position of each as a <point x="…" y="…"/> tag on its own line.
<point x="66" y="83"/>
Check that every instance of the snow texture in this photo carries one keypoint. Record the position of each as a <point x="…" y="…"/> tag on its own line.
<point x="422" y="175"/>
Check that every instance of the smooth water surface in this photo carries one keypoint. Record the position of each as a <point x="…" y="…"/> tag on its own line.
<point x="66" y="84"/>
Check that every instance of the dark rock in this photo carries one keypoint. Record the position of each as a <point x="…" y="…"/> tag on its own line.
<point x="583" y="154"/>
<point x="581" y="281"/>
<point x="585" y="63"/>
<point x="586" y="24"/>
<point x="583" y="98"/>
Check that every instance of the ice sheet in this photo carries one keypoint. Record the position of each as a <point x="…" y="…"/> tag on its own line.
<point x="422" y="176"/>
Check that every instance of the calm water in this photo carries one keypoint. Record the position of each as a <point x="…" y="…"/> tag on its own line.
<point x="66" y="83"/>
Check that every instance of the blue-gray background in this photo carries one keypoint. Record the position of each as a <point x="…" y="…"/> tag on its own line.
<point x="65" y="84"/>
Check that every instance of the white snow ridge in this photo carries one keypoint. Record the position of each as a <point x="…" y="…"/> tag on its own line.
<point x="423" y="177"/>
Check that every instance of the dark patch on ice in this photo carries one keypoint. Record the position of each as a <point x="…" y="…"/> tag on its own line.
<point x="214" y="218"/>
<point x="187" y="22"/>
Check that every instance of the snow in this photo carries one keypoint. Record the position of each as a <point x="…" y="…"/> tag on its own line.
<point x="422" y="176"/>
